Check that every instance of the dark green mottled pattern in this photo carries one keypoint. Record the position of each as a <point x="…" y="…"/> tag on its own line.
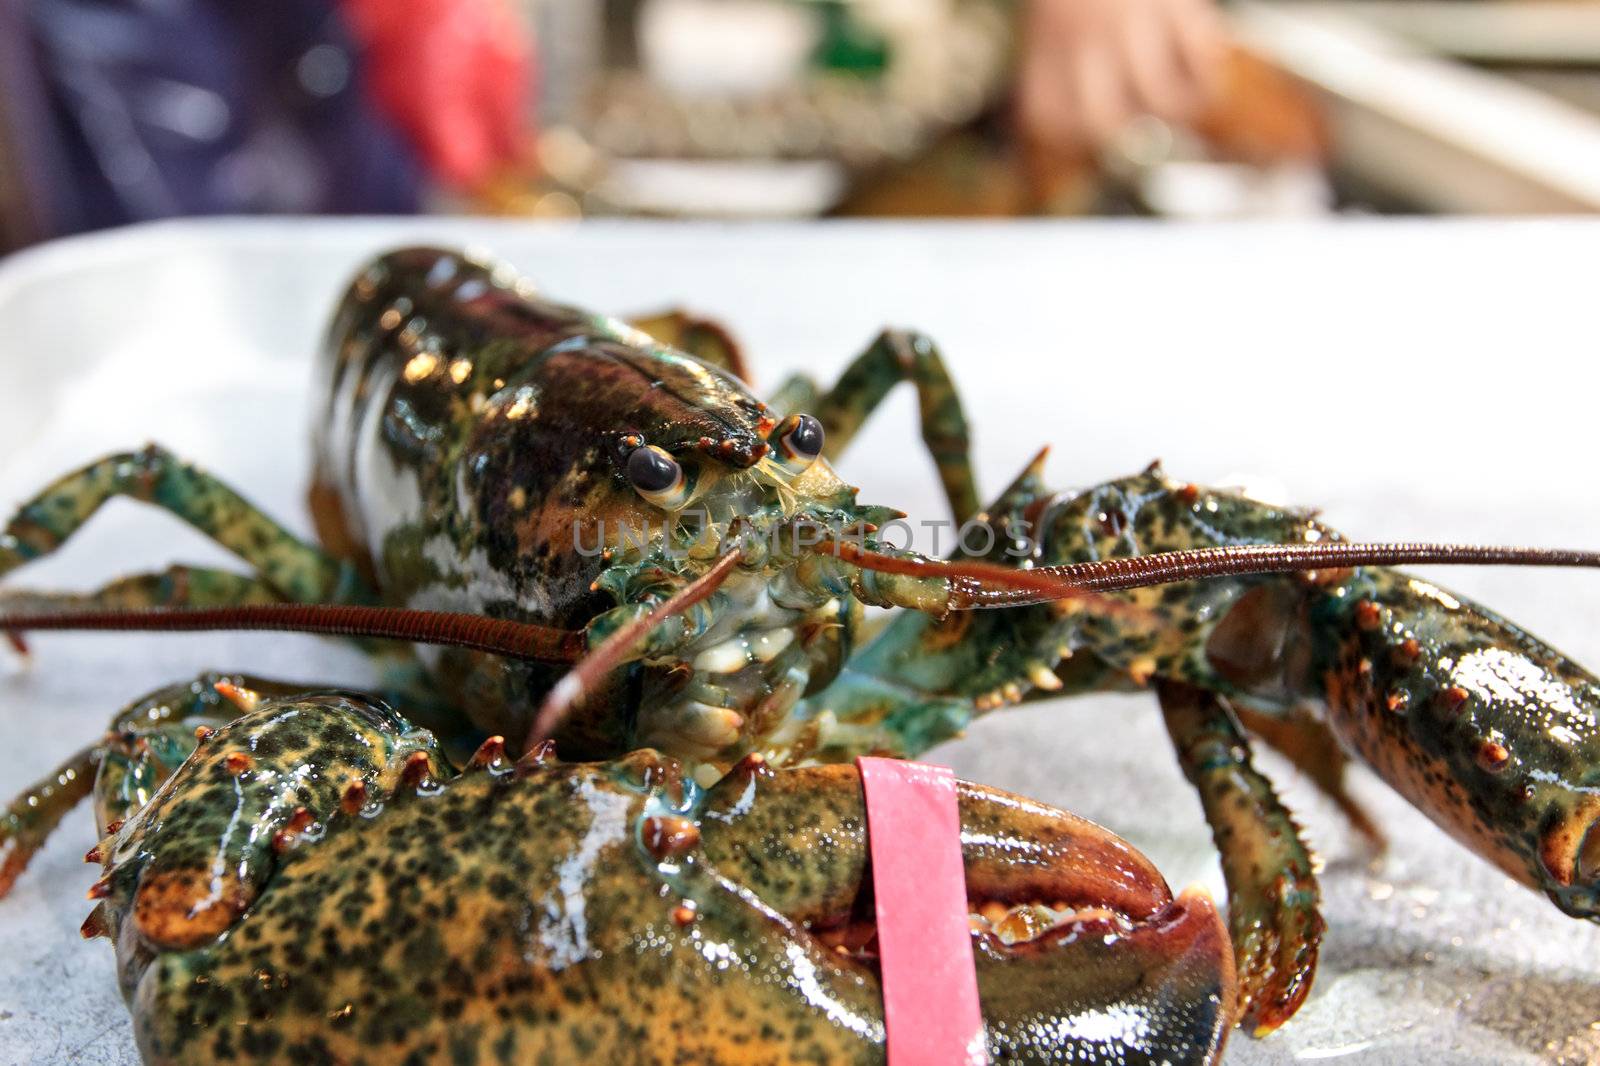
<point x="989" y="659"/>
<point x="141" y="748"/>
<point x="1274" y="914"/>
<point x="482" y="395"/>
<point x="183" y="867"/>
<point x="151" y="738"/>
<point x="176" y="586"/>
<point x="803" y="846"/>
<point x="295" y="570"/>
<point x="562" y="945"/>
<point x="551" y="912"/>
<point x="1169" y="634"/>
<point x="1482" y="726"/>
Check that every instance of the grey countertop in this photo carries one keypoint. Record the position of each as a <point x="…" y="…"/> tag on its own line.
<point x="1416" y="379"/>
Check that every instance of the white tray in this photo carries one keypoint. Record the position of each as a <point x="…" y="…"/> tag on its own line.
<point x="1426" y="379"/>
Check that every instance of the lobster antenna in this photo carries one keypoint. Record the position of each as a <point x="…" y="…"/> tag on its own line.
<point x="1031" y="582"/>
<point x="981" y="585"/>
<point x="1033" y="585"/>
<point x="498" y="636"/>
<point x="612" y="652"/>
<point x="1165" y="568"/>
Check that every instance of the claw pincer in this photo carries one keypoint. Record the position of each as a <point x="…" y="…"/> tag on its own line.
<point x="551" y="911"/>
<point x="1481" y="725"/>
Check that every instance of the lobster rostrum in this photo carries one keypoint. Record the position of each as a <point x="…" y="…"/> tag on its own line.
<point x="597" y="534"/>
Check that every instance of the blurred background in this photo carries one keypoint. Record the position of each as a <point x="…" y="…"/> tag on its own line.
<point x="113" y="111"/>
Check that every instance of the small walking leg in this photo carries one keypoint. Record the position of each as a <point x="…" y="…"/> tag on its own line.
<point x="895" y="356"/>
<point x="295" y="570"/>
<point x="176" y="586"/>
<point x="703" y="338"/>
<point x="35" y="813"/>
<point x="1313" y="749"/>
<point x="1273" y="898"/>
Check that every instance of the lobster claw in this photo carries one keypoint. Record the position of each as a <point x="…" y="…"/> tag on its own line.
<point x="609" y="912"/>
<point x="1154" y="982"/>
<point x="1082" y="952"/>
<point x="1160" y="991"/>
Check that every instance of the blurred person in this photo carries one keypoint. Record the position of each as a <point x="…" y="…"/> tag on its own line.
<point x="455" y="76"/>
<point x="1087" y="68"/>
<point x="121" y="112"/>
<point x="117" y="111"/>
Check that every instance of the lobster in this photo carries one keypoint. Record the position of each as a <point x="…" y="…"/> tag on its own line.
<point x="592" y="534"/>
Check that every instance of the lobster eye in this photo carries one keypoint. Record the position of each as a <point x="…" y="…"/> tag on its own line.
<point x="800" y="439"/>
<point x="656" y="475"/>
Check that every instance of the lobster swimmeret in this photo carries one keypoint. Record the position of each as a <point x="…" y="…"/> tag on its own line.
<point x="603" y="537"/>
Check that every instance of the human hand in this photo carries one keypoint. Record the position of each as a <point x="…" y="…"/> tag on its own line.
<point x="1090" y="66"/>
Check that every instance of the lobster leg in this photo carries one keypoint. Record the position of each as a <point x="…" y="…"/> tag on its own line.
<point x="296" y="570"/>
<point x="177" y="586"/>
<point x="1272" y="892"/>
<point x="703" y="338"/>
<point x="895" y="356"/>
<point x="30" y="818"/>
<point x="1310" y="745"/>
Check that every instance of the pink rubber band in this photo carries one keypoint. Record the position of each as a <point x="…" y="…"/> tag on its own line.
<point x="930" y="986"/>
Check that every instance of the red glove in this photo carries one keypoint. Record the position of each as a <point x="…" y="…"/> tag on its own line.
<point x="454" y="75"/>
